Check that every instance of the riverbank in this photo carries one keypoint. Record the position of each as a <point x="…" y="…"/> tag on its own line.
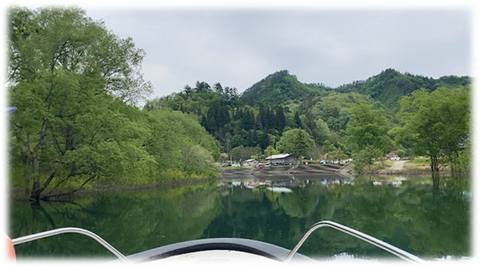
<point x="285" y="171"/>
<point x="403" y="168"/>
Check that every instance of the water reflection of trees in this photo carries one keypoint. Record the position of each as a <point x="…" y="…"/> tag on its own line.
<point x="131" y="221"/>
<point x="426" y="217"/>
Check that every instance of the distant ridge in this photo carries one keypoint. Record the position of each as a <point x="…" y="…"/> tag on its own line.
<point x="387" y="87"/>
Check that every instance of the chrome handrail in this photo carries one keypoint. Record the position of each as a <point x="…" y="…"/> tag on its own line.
<point x="64" y="230"/>
<point x="378" y="243"/>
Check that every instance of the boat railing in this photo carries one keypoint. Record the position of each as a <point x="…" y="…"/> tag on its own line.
<point x="64" y="230"/>
<point x="378" y="243"/>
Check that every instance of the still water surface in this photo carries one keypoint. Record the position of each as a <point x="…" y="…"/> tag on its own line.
<point x="427" y="219"/>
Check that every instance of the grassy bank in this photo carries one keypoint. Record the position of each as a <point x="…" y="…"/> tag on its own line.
<point x="416" y="166"/>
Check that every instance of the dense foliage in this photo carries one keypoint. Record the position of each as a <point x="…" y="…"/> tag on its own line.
<point x="279" y="88"/>
<point x="74" y="83"/>
<point x="390" y="86"/>
<point x="438" y="124"/>
<point x="359" y="119"/>
<point x="297" y="142"/>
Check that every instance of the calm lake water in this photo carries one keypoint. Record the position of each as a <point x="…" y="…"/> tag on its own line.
<point x="426" y="218"/>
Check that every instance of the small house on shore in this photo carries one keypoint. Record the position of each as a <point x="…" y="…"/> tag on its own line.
<point x="250" y="162"/>
<point x="282" y="159"/>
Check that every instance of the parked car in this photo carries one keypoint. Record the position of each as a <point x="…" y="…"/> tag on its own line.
<point x="324" y="161"/>
<point x="395" y="157"/>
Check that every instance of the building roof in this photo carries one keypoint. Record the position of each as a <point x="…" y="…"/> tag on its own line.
<point x="279" y="156"/>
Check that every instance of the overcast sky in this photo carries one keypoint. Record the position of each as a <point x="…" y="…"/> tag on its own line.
<point x="329" y="45"/>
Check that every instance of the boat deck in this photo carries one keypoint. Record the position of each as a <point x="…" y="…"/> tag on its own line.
<point x="214" y="258"/>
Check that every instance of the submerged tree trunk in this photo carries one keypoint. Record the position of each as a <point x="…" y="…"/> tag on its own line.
<point x="37" y="190"/>
<point x="69" y="194"/>
<point x="435" y="187"/>
<point x="434" y="163"/>
<point x="35" y="194"/>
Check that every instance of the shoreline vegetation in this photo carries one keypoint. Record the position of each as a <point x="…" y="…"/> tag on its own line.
<point x="411" y="168"/>
<point x="347" y="171"/>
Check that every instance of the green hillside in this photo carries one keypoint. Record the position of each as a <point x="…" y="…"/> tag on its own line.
<point x="255" y="122"/>
<point x="390" y="85"/>
<point x="279" y="88"/>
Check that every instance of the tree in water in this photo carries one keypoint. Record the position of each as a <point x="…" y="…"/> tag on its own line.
<point x="438" y="124"/>
<point x="64" y="67"/>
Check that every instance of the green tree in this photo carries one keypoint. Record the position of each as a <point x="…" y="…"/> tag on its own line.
<point x="244" y="153"/>
<point x="65" y="61"/>
<point x="270" y="150"/>
<point x="298" y="121"/>
<point x="280" y="121"/>
<point x="74" y="84"/>
<point x="328" y="148"/>
<point x="438" y="123"/>
<point x="197" y="160"/>
<point x="367" y="129"/>
<point x="365" y="158"/>
<point x="338" y="155"/>
<point x="297" y="142"/>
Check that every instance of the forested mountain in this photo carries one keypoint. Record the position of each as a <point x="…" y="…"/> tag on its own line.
<point x="279" y="103"/>
<point x="390" y="85"/>
<point x="280" y="88"/>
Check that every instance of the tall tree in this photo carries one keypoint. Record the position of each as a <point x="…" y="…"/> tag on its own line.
<point x="218" y="88"/>
<point x="270" y="150"/>
<point x="438" y="123"/>
<point x="328" y="148"/>
<point x="367" y="129"/>
<point x="64" y="67"/>
<point x="188" y="90"/>
<point x="367" y="126"/>
<point x="297" y="142"/>
<point x="280" y="121"/>
<point x="298" y="121"/>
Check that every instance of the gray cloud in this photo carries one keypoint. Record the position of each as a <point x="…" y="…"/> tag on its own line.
<point x="334" y="46"/>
